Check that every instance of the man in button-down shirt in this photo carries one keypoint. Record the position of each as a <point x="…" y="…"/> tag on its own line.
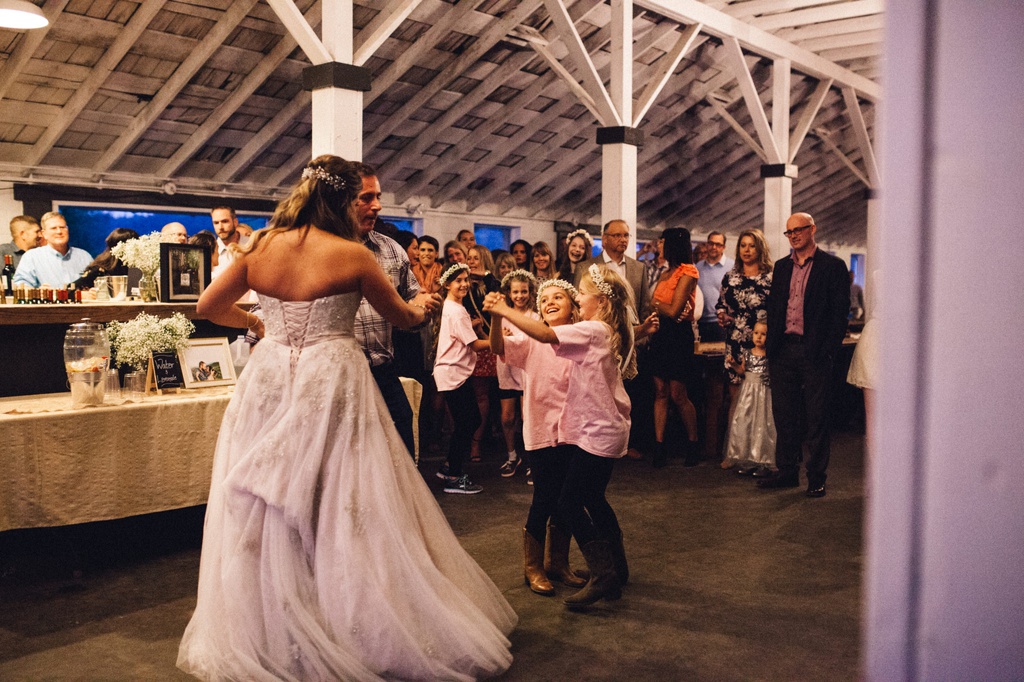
<point x="57" y="263"/>
<point x="372" y="331"/>
<point x="807" y="310"/>
<point x="712" y="269"/>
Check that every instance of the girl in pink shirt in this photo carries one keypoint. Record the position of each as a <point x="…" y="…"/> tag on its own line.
<point x="545" y="379"/>
<point x="457" y="346"/>
<point x="520" y="290"/>
<point x="594" y="421"/>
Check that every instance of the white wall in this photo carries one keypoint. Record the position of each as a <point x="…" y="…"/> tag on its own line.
<point x="8" y="209"/>
<point x="944" y="579"/>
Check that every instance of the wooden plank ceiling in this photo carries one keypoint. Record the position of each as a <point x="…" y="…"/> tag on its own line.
<point x="206" y="95"/>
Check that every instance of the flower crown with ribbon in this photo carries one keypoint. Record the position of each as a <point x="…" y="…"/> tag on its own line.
<point x="599" y="281"/>
<point x="452" y="269"/>
<point x="561" y="284"/>
<point x="517" y="273"/>
<point x="321" y="173"/>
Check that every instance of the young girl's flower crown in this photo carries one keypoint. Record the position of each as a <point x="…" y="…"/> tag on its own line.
<point x="561" y="284"/>
<point x="580" y="233"/>
<point x="452" y="269"/>
<point x="598" y="278"/>
<point x="517" y="273"/>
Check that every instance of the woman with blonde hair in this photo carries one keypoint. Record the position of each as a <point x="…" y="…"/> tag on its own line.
<point x="543" y="262"/>
<point x="312" y="488"/>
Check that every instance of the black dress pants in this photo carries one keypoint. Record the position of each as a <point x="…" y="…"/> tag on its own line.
<point x="800" y="398"/>
<point x="398" y="404"/>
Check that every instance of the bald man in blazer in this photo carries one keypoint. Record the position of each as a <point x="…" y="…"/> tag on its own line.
<point x="808" y="307"/>
<point x="614" y="242"/>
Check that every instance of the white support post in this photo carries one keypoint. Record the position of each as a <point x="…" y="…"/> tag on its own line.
<point x="778" y="206"/>
<point x="618" y="160"/>
<point x="618" y="187"/>
<point x="621" y="86"/>
<point x="871" y="260"/>
<point x="778" y="191"/>
<point x="337" y="112"/>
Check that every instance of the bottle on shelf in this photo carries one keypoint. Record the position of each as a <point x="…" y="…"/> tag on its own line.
<point x="7" y="275"/>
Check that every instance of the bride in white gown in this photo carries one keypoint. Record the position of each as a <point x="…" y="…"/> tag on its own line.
<point x="325" y="556"/>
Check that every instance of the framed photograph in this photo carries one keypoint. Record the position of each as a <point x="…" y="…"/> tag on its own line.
<point x="184" y="272"/>
<point x="207" y="362"/>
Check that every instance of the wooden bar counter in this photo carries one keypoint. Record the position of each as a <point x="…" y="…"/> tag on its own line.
<point x="32" y="338"/>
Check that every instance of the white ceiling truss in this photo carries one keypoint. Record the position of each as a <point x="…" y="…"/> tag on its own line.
<point x="480" y="105"/>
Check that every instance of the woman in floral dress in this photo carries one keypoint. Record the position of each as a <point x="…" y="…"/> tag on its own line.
<point x="744" y="293"/>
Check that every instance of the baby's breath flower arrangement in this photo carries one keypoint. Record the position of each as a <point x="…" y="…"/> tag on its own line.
<point x="142" y="253"/>
<point x="133" y="341"/>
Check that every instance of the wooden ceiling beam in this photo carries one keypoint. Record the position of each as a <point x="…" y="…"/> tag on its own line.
<point x="27" y="46"/>
<point x="237" y="97"/>
<point x="178" y="80"/>
<point x="761" y="42"/>
<point x="98" y="75"/>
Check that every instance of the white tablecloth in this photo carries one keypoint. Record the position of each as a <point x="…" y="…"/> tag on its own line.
<point x="60" y="466"/>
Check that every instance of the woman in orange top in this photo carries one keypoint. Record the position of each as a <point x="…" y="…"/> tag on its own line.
<point x="671" y="349"/>
<point x="426" y="268"/>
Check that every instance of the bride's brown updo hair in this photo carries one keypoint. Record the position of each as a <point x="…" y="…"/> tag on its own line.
<point x="322" y="199"/>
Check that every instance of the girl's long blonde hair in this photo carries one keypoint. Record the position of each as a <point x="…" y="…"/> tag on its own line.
<point x="614" y="310"/>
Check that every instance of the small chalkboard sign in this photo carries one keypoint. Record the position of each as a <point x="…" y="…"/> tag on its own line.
<point x="167" y="371"/>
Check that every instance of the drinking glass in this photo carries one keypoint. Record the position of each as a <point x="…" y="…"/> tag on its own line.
<point x="135" y="386"/>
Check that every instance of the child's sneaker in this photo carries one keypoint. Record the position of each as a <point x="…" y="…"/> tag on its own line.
<point x="508" y="469"/>
<point x="443" y="474"/>
<point x="462" y="486"/>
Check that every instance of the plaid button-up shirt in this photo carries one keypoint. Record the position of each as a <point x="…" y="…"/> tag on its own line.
<point x="372" y="331"/>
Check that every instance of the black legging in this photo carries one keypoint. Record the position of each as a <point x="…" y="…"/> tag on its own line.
<point x="466" y="415"/>
<point x="583" y="509"/>
<point x="549" y="467"/>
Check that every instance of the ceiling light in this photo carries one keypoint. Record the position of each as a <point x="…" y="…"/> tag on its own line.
<point x="21" y="15"/>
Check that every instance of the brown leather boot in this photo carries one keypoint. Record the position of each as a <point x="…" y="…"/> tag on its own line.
<point x="556" y="558"/>
<point x="533" y="566"/>
<point x="603" y="583"/>
<point x="619" y="558"/>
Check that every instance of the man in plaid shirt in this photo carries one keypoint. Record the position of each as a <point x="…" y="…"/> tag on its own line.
<point x="372" y="331"/>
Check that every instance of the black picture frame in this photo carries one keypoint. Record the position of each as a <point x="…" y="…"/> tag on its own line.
<point x="184" y="272"/>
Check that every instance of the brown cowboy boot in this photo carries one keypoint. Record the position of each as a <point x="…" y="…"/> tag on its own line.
<point x="533" y="566"/>
<point x="603" y="583"/>
<point x="556" y="559"/>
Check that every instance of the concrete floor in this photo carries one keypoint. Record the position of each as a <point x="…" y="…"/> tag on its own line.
<point x="728" y="583"/>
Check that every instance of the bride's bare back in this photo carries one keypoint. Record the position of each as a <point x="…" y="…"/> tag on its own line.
<point x="300" y="265"/>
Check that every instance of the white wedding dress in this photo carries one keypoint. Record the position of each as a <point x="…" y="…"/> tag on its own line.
<point x="325" y="555"/>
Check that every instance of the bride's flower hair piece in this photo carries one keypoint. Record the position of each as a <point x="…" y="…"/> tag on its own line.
<point x="580" y="233"/>
<point x="453" y="270"/>
<point x="598" y="279"/>
<point x="320" y="173"/>
<point x="517" y="274"/>
<point x="561" y="284"/>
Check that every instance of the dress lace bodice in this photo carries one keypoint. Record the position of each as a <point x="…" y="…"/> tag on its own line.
<point x="300" y="324"/>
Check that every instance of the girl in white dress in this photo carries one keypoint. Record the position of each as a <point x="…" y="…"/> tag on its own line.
<point x="325" y="555"/>
<point x="752" y="436"/>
